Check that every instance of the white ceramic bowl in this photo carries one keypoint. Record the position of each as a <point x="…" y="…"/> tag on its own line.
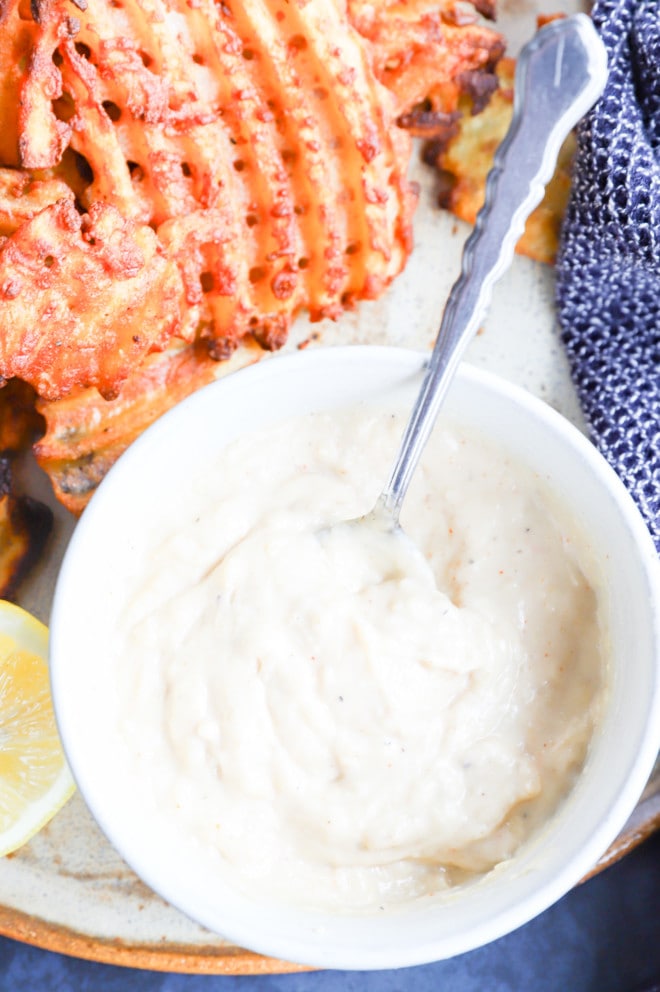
<point x="622" y="754"/>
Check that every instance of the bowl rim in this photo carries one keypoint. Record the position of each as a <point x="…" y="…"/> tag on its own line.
<point x="621" y="805"/>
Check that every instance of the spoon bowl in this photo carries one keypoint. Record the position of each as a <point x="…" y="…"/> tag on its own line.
<point x="110" y="546"/>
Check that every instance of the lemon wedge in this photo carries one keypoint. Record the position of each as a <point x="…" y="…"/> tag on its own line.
<point x="35" y="780"/>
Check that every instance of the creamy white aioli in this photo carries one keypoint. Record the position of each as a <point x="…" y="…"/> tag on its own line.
<point x="327" y="730"/>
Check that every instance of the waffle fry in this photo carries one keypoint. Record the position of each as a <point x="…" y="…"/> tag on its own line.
<point x="255" y="138"/>
<point x="20" y="424"/>
<point x="25" y="525"/>
<point x="84" y="299"/>
<point x="85" y="434"/>
<point x="22" y="197"/>
<point x="464" y="154"/>
<point x="425" y="53"/>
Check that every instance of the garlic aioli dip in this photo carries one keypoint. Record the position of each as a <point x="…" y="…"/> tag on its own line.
<point x="317" y="725"/>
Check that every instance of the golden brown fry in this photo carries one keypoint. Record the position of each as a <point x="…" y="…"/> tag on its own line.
<point x="83" y="299"/>
<point x="424" y="50"/>
<point x="22" y="196"/>
<point x="257" y="139"/>
<point x="20" y="423"/>
<point x="464" y="161"/>
<point x="85" y="434"/>
<point x="17" y="37"/>
<point x="43" y="135"/>
<point x="24" y="528"/>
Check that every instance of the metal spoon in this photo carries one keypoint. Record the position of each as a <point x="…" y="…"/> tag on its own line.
<point x="560" y="74"/>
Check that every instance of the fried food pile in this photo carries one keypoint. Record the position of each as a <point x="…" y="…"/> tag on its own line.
<point x="178" y="177"/>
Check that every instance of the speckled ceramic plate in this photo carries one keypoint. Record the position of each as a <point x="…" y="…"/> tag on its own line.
<point x="67" y="890"/>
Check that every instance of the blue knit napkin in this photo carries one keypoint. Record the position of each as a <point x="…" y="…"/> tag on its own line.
<point x="608" y="270"/>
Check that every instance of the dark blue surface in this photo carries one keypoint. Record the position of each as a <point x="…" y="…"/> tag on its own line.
<point x="603" y="937"/>
<point x="608" y="269"/>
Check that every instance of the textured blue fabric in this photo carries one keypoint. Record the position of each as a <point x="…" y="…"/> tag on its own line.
<point x="608" y="270"/>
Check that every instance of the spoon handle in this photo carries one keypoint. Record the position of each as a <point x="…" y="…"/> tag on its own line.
<point x="560" y="74"/>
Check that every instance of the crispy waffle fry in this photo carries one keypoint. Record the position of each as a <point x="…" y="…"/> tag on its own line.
<point x="24" y="523"/>
<point x="83" y="299"/>
<point x="256" y="139"/>
<point x="85" y="434"/>
<point x="182" y="113"/>
<point x="464" y="157"/>
<point x="22" y="197"/>
<point x="424" y="52"/>
<point x="24" y="528"/>
<point x="17" y="35"/>
<point x="20" y="423"/>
